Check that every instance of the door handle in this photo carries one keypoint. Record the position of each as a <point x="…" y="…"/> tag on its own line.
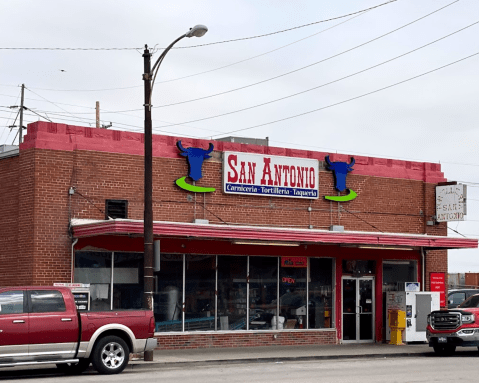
<point x="66" y="319"/>
<point x="19" y="321"/>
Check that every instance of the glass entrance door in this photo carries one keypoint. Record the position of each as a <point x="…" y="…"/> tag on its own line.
<point x="358" y="309"/>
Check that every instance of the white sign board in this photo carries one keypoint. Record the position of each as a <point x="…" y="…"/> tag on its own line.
<point x="451" y="202"/>
<point x="271" y="176"/>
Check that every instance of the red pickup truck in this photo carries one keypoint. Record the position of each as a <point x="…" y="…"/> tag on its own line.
<point x="447" y="329"/>
<point x="41" y="325"/>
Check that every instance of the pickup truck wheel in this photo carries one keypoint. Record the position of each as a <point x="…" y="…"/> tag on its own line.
<point x="74" y="368"/>
<point x="110" y="355"/>
<point x="444" y="350"/>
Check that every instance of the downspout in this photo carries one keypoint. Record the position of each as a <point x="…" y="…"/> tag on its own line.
<point x="423" y="267"/>
<point x="75" y="240"/>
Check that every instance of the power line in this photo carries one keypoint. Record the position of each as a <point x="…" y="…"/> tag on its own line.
<point x="51" y="102"/>
<point x="289" y="29"/>
<point x="350" y="99"/>
<point x="207" y="71"/>
<point x="215" y="43"/>
<point x="301" y="68"/>
<point x="273" y="78"/>
<point x="328" y="83"/>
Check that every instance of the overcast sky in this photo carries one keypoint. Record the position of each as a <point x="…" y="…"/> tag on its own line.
<point x="431" y="118"/>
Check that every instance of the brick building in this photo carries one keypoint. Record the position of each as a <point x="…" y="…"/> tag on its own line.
<point x="254" y="266"/>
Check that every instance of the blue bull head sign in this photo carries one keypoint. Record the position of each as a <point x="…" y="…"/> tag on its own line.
<point x="340" y="171"/>
<point x="195" y="158"/>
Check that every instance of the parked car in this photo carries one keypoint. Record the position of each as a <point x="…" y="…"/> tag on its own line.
<point x="41" y="325"/>
<point x="456" y="297"/>
<point x="447" y="329"/>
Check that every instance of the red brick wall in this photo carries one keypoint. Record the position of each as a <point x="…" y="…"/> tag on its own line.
<point x="383" y="203"/>
<point x="9" y="225"/>
<point x="245" y="339"/>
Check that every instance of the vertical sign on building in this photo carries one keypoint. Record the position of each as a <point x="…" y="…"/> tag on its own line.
<point x="438" y="284"/>
<point x="451" y="202"/>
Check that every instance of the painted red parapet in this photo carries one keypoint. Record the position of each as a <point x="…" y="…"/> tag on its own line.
<point x="46" y="135"/>
<point x="121" y="226"/>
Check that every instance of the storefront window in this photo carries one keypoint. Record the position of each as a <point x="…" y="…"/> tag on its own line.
<point x="169" y="296"/>
<point x="232" y="292"/>
<point x="200" y="292"/>
<point x="95" y="268"/>
<point x="320" y="293"/>
<point x="292" y="291"/>
<point x="263" y="292"/>
<point x="396" y="273"/>
<point x="127" y="280"/>
<point x="208" y="292"/>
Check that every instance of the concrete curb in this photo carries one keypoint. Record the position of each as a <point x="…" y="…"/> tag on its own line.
<point x="140" y="365"/>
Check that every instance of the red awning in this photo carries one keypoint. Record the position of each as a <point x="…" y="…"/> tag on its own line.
<point x="89" y="228"/>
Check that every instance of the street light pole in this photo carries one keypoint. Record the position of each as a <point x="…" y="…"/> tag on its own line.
<point x="149" y="76"/>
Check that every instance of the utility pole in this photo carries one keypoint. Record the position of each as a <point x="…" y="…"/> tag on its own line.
<point x="148" y="179"/>
<point x="20" y="129"/>
<point x="98" y="114"/>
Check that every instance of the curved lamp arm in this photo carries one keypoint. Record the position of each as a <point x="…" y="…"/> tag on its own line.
<point x="198" y="31"/>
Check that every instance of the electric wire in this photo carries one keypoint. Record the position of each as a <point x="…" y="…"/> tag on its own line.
<point x="328" y="83"/>
<point x="455" y="231"/>
<point x="284" y="74"/>
<point x="214" y="43"/>
<point x="10" y="114"/>
<point x="301" y="68"/>
<point x="209" y="70"/>
<point x="348" y="100"/>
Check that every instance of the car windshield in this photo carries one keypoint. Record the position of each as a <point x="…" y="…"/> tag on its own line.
<point x="471" y="302"/>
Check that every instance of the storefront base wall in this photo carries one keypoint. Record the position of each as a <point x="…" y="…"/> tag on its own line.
<point x="245" y="339"/>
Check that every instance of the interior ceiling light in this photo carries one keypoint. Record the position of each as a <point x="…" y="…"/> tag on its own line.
<point x="385" y="248"/>
<point x="265" y="243"/>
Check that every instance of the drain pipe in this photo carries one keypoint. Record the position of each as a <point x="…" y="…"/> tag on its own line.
<point x="75" y="240"/>
<point x="423" y="261"/>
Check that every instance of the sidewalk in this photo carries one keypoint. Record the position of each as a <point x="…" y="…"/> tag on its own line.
<point x="167" y="358"/>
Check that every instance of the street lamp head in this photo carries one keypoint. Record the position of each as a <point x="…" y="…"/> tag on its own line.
<point x="198" y="31"/>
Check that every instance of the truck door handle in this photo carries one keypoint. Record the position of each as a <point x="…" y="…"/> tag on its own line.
<point x="66" y="319"/>
<point x="19" y="321"/>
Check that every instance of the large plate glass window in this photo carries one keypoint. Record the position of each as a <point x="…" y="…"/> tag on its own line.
<point x="127" y="280"/>
<point x="200" y="292"/>
<point x="232" y="292"/>
<point x="169" y="293"/>
<point x="292" y="296"/>
<point x="263" y="293"/>
<point x="321" y="303"/>
<point x="396" y="273"/>
<point x="95" y="268"/>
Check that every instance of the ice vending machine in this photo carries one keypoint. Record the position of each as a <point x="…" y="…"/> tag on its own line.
<point x="417" y="305"/>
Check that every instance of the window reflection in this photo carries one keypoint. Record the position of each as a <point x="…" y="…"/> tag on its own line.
<point x="263" y="292"/>
<point x="232" y="296"/>
<point x="292" y="290"/>
<point x="169" y="296"/>
<point x="320" y="293"/>
<point x="200" y="292"/>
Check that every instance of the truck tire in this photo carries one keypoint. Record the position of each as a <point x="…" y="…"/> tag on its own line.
<point x="444" y="350"/>
<point x="110" y="355"/>
<point x="74" y="368"/>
